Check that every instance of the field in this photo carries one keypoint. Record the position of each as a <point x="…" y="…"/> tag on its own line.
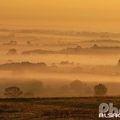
<point x="85" y="108"/>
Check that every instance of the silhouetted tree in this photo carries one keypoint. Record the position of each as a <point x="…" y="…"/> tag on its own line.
<point x="13" y="92"/>
<point x="76" y="85"/>
<point x="100" y="90"/>
<point x="36" y="87"/>
<point x="77" y="88"/>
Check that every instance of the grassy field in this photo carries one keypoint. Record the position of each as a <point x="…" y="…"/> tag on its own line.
<point x="85" y="108"/>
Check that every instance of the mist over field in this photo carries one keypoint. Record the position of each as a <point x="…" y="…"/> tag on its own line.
<point x="44" y="63"/>
<point x="59" y="59"/>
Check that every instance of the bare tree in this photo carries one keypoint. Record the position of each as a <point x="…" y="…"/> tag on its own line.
<point x="13" y="92"/>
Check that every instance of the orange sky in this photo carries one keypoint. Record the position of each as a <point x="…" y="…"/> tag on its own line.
<point x="93" y="15"/>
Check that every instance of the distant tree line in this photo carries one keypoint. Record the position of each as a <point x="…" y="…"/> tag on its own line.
<point x="76" y="88"/>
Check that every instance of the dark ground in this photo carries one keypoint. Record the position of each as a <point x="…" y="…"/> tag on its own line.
<point x="84" y="108"/>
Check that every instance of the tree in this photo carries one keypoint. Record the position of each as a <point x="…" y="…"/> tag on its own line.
<point x="76" y="85"/>
<point x="13" y="92"/>
<point x="35" y="86"/>
<point x="77" y="88"/>
<point x="100" y="90"/>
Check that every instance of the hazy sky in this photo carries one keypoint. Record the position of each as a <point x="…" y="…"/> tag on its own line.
<point x="85" y="14"/>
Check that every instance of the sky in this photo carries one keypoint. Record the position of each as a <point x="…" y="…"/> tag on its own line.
<point x="101" y="15"/>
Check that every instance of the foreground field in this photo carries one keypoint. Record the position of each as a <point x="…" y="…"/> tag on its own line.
<point x="53" y="108"/>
